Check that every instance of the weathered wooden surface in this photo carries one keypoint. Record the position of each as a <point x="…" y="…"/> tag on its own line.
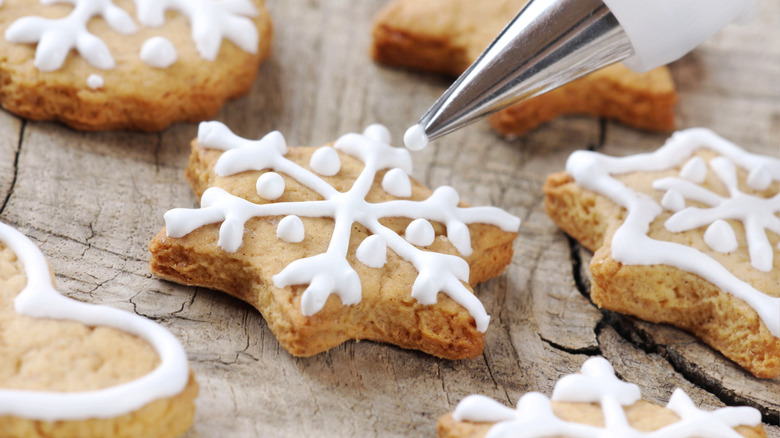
<point x="93" y="201"/>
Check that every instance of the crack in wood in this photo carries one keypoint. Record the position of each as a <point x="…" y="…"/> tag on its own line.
<point x="15" y="167"/>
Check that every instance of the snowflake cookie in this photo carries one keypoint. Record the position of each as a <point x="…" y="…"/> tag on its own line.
<point x="71" y="369"/>
<point x="335" y="243"/>
<point x="686" y="235"/>
<point x="446" y="36"/>
<point x="593" y="404"/>
<point x="128" y="64"/>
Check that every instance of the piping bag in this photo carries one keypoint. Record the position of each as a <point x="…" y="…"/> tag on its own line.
<point x="552" y="42"/>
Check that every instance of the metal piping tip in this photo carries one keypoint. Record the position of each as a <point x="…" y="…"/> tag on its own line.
<point x="548" y="44"/>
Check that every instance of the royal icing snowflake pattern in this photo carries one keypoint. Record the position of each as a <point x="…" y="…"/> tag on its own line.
<point x="330" y="272"/>
<point x="211" y="21"/>
<point x="597" y="383"/>
<point x="39" y="299"/>
<point x="631" y="245"/>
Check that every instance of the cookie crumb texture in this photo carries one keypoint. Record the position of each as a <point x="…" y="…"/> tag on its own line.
<point x="67" y="356"/>
<point x="386" y="312"/>
<point x="446" y="36"/>
<point x="134" y="96"/>
<point x="666" y="294"/>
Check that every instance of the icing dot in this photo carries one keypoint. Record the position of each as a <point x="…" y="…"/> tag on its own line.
<point x="695" y="170"/>
<point x="270" y="186"/>
<point x="720" y="237"/>
<point x="325" y="161"/>
<point x="420" y="232"/>
<point x="95" y="81"/>
<point x="397" y="183"/>
<point x="372" y="251"/>
<point x="759" y="178"/>
<point x="673" y="200"/>
<point x="377" y="132"/>
<point x="158" y="52"/>
<point x="458" y="233"/>
<point x="290" y="229"/>
<point x="415" y="138"/>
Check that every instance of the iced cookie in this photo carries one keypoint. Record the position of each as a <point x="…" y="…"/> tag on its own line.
<point x="70" y="369"/>
<point x="335" y="243"/>
<point x="595" y="403"/>
<point x="446" y="36"/>
<point x="128" y="64"/>
<point x="686" y="235"/>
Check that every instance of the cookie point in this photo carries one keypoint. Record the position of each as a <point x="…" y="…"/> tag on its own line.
<point x="415" y="138"/>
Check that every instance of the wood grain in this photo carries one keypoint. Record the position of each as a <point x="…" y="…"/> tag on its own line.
<point x="93" y="201"/>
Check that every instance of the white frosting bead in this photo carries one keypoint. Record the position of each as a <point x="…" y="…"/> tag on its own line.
<point x="695" y="170"/>
<point x="270" y="186"/>
<point x="673" y="200"/>
<point x="397" y="183"/>
<point x="720" y="237"/>
<point x="420" y="232"/>
<point x="759" y="178"/>
<point x="290" y="229"/>
<point x="415" y="138"/>
<point x="325" y="161"/>
<point x="372" y="251"/>
<point x="95" y="81"/>
<point x="159" y="52"/>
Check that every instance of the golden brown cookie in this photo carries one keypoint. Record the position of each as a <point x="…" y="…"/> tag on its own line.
<point x="138" y="64"/>
<point x="446" y="36"/>
<point x="595" y="403"/>
<point x="687" y="235"/>
<point x="70" y="369"/>
<point x="322" y="242"/>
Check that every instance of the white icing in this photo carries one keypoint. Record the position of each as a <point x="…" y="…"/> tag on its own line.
<point x="415" y="138"/>
<point x="158" y="52"/>
<point x="630" y="243"/>
<point x="325" y="161"/>
<point x="397" y="183"/>
<point x="534" y="417"/>
<point x="759" y="178"/>
<point x="695" y="170"/>
<point x="210" y="22"/>
<point x="673" y="200"/>
<point x="95" y="81"/>
<point x="270" y="186"/>
<point x="290" y="229"/>
<point x="720" y="237"/>
<point x="372" y="251"/>
<point x="330" y="273"/>
<point x="39" y="299"/>
<point x="420" y="232"/>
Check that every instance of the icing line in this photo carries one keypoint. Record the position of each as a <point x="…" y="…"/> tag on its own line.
<point x="39" y="299"/>
<point x="330" y="273"/>
<point x="631" y="245"/>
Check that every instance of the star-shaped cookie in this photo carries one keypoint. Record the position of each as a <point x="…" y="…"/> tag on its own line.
<point x="335" y="243"/>
<point x="687" y="235"/>
<point x="446" y="36"/>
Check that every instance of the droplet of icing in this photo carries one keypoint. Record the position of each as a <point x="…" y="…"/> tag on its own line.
<point x="270" y="186"/>
<point x="695" y="170"/>
<point x="325" y="161"/>
<point x="377" y="132"/>
<point x="720" y="237"/>
<point x="415" y="138"/>
<point x="458" y="233"/>
<point x="95" y="81"/>
<point x="673" y="200"/>
<point x="759" y="178"/>
<point x="420" y="232"/>
<point x="158" y="52"/>
<point x="372" y="251"/>
<point x="397" y="183"/>
<point x="290" y="229"/>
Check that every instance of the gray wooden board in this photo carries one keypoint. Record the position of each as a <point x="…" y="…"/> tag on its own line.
<point x="92" y="201"/>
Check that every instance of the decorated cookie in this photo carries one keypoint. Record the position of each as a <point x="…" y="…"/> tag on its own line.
<point x="446" y="36"/>
<point x="70" y="369"/>
<point x="595" y="403"/>
<point x="128" y="64"/>
<point x="686" y="235"/>
<point x="335" y="243"/>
